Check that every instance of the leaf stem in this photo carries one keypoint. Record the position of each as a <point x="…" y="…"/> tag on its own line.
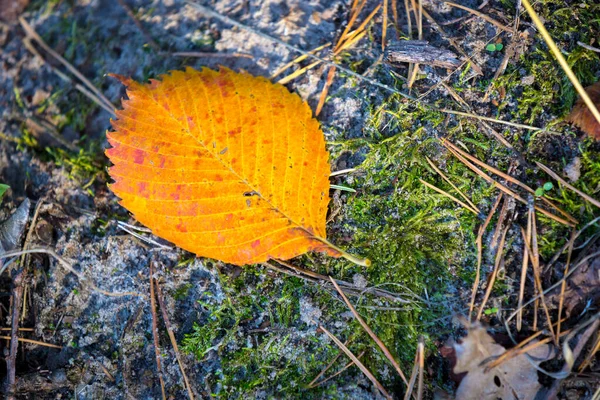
<point x="365" y="262"/>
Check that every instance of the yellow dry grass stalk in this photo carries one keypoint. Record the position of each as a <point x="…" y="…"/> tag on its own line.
<point x="356" y="361"/>
<point x="492" y="280"/>
<point x="372" y="334"/>
<point x="501" y="187"/>
<point x="479" y="243"/>
<point x="466" y="206"/>
<point x="480" y="15"/>
<point x="436" y="169"/>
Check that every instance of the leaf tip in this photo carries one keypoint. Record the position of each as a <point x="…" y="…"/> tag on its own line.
<point x="121" y="78"/>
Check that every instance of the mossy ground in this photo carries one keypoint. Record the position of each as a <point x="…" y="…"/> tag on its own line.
<point x="421" y="244"/>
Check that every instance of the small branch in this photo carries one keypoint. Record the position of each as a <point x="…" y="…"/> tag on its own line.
<point x="421" y="52"/>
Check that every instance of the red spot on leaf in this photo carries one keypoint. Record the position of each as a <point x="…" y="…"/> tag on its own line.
<point x="138" y="156"/>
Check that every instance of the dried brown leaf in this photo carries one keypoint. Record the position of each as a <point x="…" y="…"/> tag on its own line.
<point x="514" y="379"/>
<point x="582" y="116"/>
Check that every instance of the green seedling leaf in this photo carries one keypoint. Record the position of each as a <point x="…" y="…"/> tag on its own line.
<point x="539" y="192"/>
<point x="491" y="47"/>
<point x="490" y="311"/>
<point x="3" y="189"/>
<point x="499" y="46"/>
<point x="548" y="186"/>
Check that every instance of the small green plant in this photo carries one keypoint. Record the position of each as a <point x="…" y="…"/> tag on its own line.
<point x="490" y="311"/>
<point x="3" y="189"/>
<point x="492" y="47"/>
<point x="548" y="186"/>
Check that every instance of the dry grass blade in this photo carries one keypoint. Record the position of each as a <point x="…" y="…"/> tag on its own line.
<point x="382" y="346"/>
<point x="414" y="68"/>
<point x="509" y="178"/>
<point x="564" y="284"/>
<point x="354" y="11"/>
<point x="503" y="188"/>
<point x="297" y="60"/>
<point x="395" y="14"/>
<point x="200" y="54"/>
<point x="436" y="169"/>
<point x="348" y="365"/>
<point x="575" y="268"/>
<point x="468" y="207"/>
<point x="312" y="383"/>
<point x="356" y="361"/>
<point x="103" y="101"/>
<point x="69" y="268"/>
<point x="421" y="352"/>
<point x="561" y="60"/>
<point x="20" y="329"/>
<point x="522" y="348"/>
<point x="297" y="73"/>
<point x="163" y="309"/>
<point x="480" y="15"/>
<point x="479" y="243"/>
<point x="490" y="286"/>
<point x="155" y="333"/>
<point x="328" y="82"/>
<point x="384" y="24"/>
<point x="588" y="360"/>
<point x="413" y="376"/>
<point x="566" y="184"/>
<point x="532" y="249"/>
<point x="209" y="12"/>
<point x="524" y="272"/>
<point x="33" y="342"/>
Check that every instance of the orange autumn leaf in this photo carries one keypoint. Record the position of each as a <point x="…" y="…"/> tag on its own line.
<point x="223" y="164"/>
